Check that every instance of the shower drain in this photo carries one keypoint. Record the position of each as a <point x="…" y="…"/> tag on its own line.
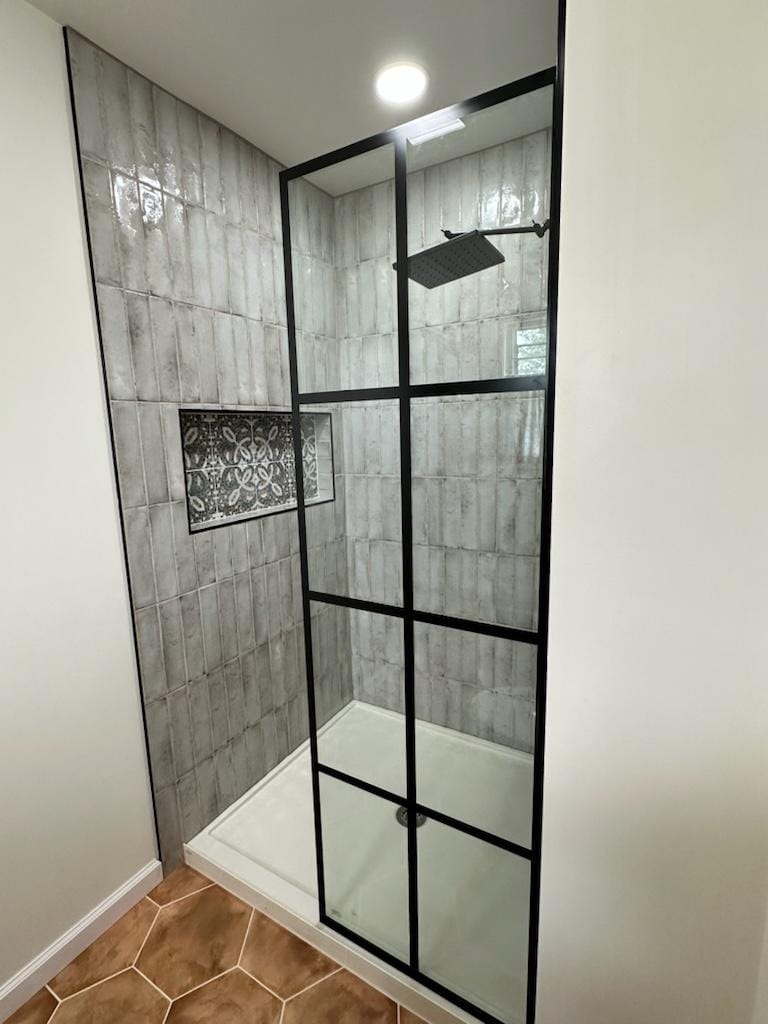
<point x="402" y="817"/>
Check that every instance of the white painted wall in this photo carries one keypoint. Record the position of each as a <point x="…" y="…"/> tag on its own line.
<point x="655" y="836"/>
<point x="75" y="812"/>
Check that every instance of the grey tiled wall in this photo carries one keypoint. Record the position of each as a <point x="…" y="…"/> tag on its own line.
<point x="476" y="460"/>
<point x="184" y="219"/>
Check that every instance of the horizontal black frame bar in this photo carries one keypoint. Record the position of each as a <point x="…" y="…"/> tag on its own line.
<point x="538" y="80"/>
<point x="523" y="636"/>
<point x="535" y="382"/>
<point x="445" y="819"/>
<point x="401" y="965"/>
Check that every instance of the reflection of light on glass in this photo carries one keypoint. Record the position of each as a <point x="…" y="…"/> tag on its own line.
<point x="436" y="132"/>
<point x="126" y="192"/>
<point x="152" y="206"/>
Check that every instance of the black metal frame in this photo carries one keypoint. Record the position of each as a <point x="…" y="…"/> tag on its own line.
<point x="403" y="393"/>
<point x="246" y="517"/>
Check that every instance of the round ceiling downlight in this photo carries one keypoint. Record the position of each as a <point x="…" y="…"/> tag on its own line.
<point x="401" y="83"/>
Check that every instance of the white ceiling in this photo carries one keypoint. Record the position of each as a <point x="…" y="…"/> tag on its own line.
<point x="295" y="77"/>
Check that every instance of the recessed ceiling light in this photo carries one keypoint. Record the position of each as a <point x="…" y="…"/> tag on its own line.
<point x="401" y="83"/>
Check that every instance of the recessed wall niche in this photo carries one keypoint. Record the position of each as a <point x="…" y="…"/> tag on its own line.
<point x="239" y="464"/>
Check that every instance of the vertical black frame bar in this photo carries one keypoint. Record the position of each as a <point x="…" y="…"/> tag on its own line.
<point x="546" y="520"/>
<point x="404" y="392"/>
<point x="302" y="524"/>
<point x="409" y="673"/>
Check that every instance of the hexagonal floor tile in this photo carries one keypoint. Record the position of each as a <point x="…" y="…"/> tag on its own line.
<point x="193" y="940"/>
<point x="127" y="998"/>
<point x="36" y="1010"/>
<point x="181" y="882"/>
<point x="113" y="951"/>
<point x="233" y="998"/>
<point x="280" y="959"/>
<point x="340" y="999"/>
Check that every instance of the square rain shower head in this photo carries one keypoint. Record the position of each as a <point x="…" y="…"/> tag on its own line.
<point x="448" y="261"/>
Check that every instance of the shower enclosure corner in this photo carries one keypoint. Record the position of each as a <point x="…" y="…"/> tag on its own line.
<point x="421" y="288"/>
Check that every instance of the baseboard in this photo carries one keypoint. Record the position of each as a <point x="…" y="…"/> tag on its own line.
<point x="18" y="989"/>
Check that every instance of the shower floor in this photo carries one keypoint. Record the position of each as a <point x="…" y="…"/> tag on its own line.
<point x="473" y="909"/>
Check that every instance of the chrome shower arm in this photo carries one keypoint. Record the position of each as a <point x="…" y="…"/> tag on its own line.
<point x="534" y="229"/>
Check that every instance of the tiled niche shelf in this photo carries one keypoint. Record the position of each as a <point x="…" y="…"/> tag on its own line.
<point x="239" y="463"/>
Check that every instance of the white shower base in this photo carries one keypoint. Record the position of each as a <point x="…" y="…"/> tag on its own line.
<point x="263" y="848"/>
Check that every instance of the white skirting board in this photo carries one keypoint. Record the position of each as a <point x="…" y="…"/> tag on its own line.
<point x="18" y="989"/>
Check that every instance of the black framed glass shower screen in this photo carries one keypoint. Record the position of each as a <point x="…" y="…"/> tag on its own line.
<point x="425" y="584"/>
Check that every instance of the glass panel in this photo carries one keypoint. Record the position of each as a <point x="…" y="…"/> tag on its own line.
<point x="474" y="729"/>
<point x="492" y="173"/>
<point x="477" y="465"/>
<point x="344" y="287"/>
<point x="355" y="542"/>
<point x="366" y="865"/>
<point x="358" y="669"/>
<point x="473" y="919"/>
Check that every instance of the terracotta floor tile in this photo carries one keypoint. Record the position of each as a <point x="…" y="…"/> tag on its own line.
<point x="125" y="999"/>
<point x="406" y="1017"/>
<point x="282" y="961"/>
<point x="340" y="999"/>
<point x="181" y="882"/>
<point x="194" y="940"/>
<point x="36" y="1010"/>
<point x="233" y="998"/>
<point x="115" y="950"/>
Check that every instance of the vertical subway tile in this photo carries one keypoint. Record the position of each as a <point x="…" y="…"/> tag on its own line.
<point x="181" y="731"/>
<point x="117" y="348"/>
<point x="211" y="164"/>
<point x="139" y="557"/>
<point x="130" y="231"/>
<point x="228" y="619"/>
<point x="244" y="611"/>
<point x="169" y="415"/>
<point x="204" y="558"/>
<point x="142" y="113"/>
<point x="200" y="713"/>
<point x="198" y="255"/>
<point x="142" y="348"/>
<point x="117" y="116"/>
<point x="128" y="452"/>
<point x="225" y="778"/>
<point x="169" y="827"/>
<point x="191" y="165"/>
<point x="206" y="788"/>
<point x="157" y="267"/>
<point x="168" y="144"/>
<point x="173" y="647"/>
<point x="183" y="548"/>
<point x="191" y="815"/>
<point x="192" y="630"/>
<point x="166" y="579"/>
<point x="188" y="346"/>
<point x="159" y="737"/>
<point x="225" y="358"/>
<point x="102" y="228"/>
<point x="217" y="261"/>
<point x="209" y="609"/>
<point x="153" y="452"/>
<point x="178" y="251"/>
<point x="164" y="334"/>
<point x="151" y="662"/>
<point x="217" y="699"/>
<point x="86" y="73"/>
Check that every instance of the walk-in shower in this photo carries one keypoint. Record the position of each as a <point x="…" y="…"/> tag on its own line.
<point x="410" y="821"/>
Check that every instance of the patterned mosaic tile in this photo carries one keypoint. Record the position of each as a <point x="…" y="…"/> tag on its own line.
<point x="238" y="464"/>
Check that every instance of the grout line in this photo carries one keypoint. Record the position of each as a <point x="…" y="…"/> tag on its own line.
<point x="202" y="984"/>
<point x="314" y="983"/>
<point x="165" y="1018"/>
<point x="144" y="941"/>
<point x="153" y="902"/>
<point x="150" y="982"/>
<point x="245" y="937"/>
<point x="282" y="1014"/>
<point x="87" y="988"/>
<point x="178" y="899"/>
<point x="53" y="994"/>
<point x="253" y="978"/>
